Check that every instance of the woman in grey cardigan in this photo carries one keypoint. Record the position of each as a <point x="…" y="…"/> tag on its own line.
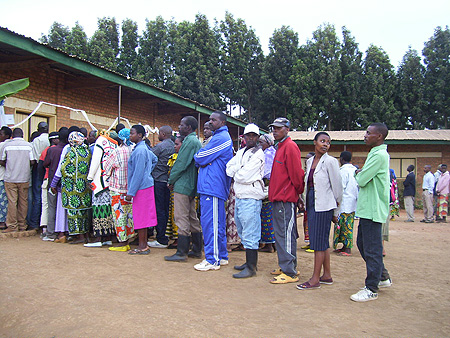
<point x="324" y="193"/>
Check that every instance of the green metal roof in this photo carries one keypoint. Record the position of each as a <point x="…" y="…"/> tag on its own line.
<point x="47" y="52"/>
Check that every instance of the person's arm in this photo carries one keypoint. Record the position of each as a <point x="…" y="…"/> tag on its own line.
<point x="110" y="163"/>
<point x="369" y="170"/>
<point x="294" y="169"/>
<point x="336" y="182"/>
<point x="135" y="173"/>
<point x="96" y="160"/>
<point x="408" y="180"/>
<point x="214" y="149"/>
<point x="184" y="159"/>
<point x="32" y="158"/>
<point x="157" y="150"/>
<point x="232" y="165"/>
<point x="251" y="171"/>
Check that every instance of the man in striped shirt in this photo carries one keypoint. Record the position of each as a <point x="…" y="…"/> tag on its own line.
<point x="17" y="158"/>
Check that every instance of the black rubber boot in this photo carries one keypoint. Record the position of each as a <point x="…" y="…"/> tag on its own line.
<point x="197" y="245"/>
<point x="250" y="265"/>
<point x="240" y="267"/>
<point x="182" y="250"/>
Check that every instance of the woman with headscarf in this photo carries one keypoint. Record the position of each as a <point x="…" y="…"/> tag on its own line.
<point x="102" y="217"/>
<point x="75" y="192"/>
<point x="140" y="187"/>
<point x="267" y="231"/>
<point x="116" y="167"/>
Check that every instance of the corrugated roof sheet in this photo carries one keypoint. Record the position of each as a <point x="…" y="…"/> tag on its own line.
<point x="358" y="135"/>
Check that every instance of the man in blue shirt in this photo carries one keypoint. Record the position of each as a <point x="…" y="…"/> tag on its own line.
<point x="427" y="194"/>
<point x="214" y="187"/>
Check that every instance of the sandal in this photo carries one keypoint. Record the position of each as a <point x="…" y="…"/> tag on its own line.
<point x="62" y="239"/>
<point x="79" y="241"/>
<point x="328" y="281"/>
<point x="279" y="272"/>
<point x="343" y="253"/>
<point x="138" y="251"/>
<point x="240" y="247"/>
<point x="284" y="279"/>
<point x="307" y="286"/>
<point x="267" y="248"/>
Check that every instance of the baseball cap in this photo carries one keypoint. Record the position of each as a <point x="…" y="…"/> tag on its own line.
<point x="251" y="128"/>
<point x="280" y="122"/>
<point x="53" y="135"/>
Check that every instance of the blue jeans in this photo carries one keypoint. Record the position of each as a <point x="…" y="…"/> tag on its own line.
<point x="247" y="215"/>
<point x="162" y="200"/>
<point x="370" y="247"/>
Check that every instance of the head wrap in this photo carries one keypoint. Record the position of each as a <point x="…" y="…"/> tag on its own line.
<point x="124" y="135"/>
<point x="103" y="132"/>
<point x="268" y="138"/>
<point x="76" y="138"/>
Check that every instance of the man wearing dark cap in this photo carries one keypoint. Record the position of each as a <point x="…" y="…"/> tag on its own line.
<point x="286" y="185"/>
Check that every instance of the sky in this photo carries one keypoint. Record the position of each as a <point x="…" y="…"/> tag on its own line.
<point x="392" y="25"/>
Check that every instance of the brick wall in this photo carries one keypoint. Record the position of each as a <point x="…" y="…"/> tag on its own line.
<point x="49" y="86"/>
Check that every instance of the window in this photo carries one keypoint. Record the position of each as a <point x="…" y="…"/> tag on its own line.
<point x="400" y="165"/>
<point x="31" y="125"/>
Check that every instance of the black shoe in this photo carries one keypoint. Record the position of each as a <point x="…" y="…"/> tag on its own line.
<point x="197" y="244"/>
<point x="250" y="266"/>
<point x="182" y="249"/>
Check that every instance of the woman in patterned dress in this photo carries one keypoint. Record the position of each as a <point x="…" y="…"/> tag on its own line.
<point x="102" y="217"/>
<point x="116" y="167"/>
<point x="75" y="191"/>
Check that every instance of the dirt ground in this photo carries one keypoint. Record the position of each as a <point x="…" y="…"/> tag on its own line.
<point x="61" y="290"/>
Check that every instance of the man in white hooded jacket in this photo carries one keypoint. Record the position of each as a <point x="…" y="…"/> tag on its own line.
<point x="247" y="170"/>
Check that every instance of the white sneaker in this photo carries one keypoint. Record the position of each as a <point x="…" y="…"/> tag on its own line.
<point x="364" y="295"/>
<point x="205" y="266"/>
<point x="156" y="244"/>
<point x="45" y="238"/>
<point x="93" y="245"/>
<point x="224" y="262"/>
<point x="385" y="283"/>
<point x="107" y="243"/>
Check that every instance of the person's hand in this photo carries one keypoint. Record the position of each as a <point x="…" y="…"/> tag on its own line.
<point x="358" y="171"/>
<point x="301" y="204"/>
<point x="170" y="186"/>
<point x="335" y="219"/>
<point x="128" y="198"/>
<point x="54" y="191"/>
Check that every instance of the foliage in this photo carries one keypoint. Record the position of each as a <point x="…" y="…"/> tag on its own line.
<point x="437" y="77"/>
<point x="326" y="83"/>
<point x="128" y="58"/>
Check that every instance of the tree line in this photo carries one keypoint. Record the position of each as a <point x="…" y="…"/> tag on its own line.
<point x="326" y="84"/>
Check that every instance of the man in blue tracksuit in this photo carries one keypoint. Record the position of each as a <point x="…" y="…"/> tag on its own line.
<point x="214" y="186"/>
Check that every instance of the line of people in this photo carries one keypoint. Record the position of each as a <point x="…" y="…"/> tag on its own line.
<point x="112" y="188"/>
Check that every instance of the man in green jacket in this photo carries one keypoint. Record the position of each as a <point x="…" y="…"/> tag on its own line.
<point x="372" y="208"/>
<point x="183" y="182"/>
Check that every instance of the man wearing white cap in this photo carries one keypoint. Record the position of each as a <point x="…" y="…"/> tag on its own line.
<point x="247" y="170"/>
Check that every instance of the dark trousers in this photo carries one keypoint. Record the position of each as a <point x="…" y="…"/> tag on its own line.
<point x="162" y="200"/>
<point x="34" y="219"/>
<point x="285" y="226"/>
<point x="370" y="247"/>
<point x="51" y="200"/>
